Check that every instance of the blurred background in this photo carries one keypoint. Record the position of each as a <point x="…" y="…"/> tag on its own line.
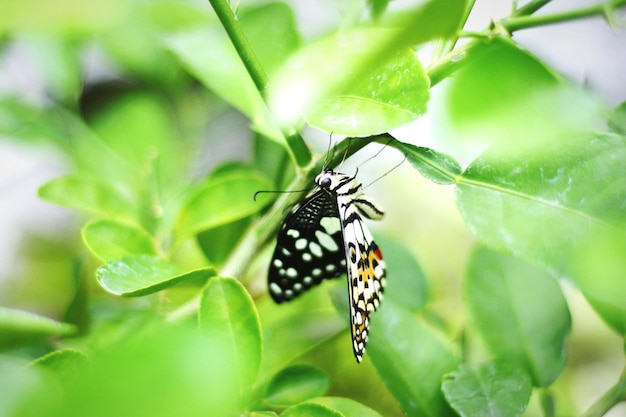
<point x="75" y="54"/>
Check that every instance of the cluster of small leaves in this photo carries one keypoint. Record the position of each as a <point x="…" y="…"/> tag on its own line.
<point x="546" y="199"/>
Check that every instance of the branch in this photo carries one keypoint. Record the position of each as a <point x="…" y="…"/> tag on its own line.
<point x="515" y="23"/>
<point x="457" y="58"/>
<point x="296" y="145"/>
<point x="531" y="7"/>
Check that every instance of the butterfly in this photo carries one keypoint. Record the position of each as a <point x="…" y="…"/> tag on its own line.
<point x="323" y="237"/>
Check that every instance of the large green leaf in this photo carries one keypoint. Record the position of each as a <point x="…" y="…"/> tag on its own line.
<point x="411" y="358"/>
<point x="408" y="287"/>
<point x="520" y="312"/>
<point x="185" y="373"/>
<point x="549" y="200"/>
<point x="367" y="74"/>
<point x="223" y="199"/>
<point x="18" y="326"/>
<point x="387" y="95"/>
<point x="139" y="275"/>
<point x="491" y="389"/>
<point x="88" y="194"/>
<point x="228" y="316"/>
<point x="295" y="384"/>
<point x="504" y="94"/>
<point x="108" y="240"/>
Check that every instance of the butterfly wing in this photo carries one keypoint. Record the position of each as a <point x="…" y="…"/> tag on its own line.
<point x="309" y="248"/>
<point x="366" y="276"/>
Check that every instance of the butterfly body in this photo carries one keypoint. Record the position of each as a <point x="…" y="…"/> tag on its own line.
<point x="324" y="237"/>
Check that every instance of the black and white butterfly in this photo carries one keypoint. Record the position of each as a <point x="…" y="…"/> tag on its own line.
<point x="323" y="237"/>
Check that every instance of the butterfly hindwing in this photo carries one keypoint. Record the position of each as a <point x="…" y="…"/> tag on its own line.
<point x="309" y="248"/>
<point x="366" y="280"/>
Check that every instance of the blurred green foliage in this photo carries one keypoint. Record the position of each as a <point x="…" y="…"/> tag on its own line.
<point x="170" y="128"/>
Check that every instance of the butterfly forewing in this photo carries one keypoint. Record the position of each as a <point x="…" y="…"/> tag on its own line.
<point x="323" y="237"/>
<point x="309" y="247"/>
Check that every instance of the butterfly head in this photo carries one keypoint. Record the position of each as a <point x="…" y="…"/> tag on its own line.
<point x="331" y="180"/>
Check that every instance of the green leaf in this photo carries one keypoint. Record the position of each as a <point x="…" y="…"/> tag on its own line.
<point x="18" y="326"/>
<point x="346" y="406"/>
<point x="505" y="94"/>
<point x="176" y="365"/>
<point x="541" y="200"/>
<point x="147" y="119"/>
<point x="599" y="269"/>
<point x="338" y="64"/>
<point x="291" y="330"/>
<point x="88" y="194"/>
<point x="409" y="287"/>
<point x="411" y="359"/>
<point x="65" y="364"/>
<point x="387" y="95"/>
<point x="228" y="314"/>
<point x="310" y="410"/>
<point x="219" y="242"/>
<point x="108" y="240"/>
<point x="520" y="312"/>
<point x="139" y="275"/>
<point x="435" y="166"/>
<point x="222" y="200"/>
<point x="272" y="30"/>
<point x="492" y="389"/>
<point x="295" y="384"/>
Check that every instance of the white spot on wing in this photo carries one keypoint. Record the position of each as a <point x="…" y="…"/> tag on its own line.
<point x="275" y="288"/>
<point x="330" y="224"/>
<point x="326" y="241"/>
<point x="316" y="249"/>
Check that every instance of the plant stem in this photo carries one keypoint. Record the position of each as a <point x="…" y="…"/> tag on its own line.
<point x="513" y="24"/>
<point x="520" y="20"/>
<point x="531" y="7"/>
<point x="298" y="148"/>
<point x="616" y="394"/>
<point x="240" y="41"/>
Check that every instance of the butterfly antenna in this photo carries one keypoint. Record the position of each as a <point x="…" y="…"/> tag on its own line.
<point x="388" y="171"/>
<point x="328" y="156"/>
<point x="345" y="152"/>
<point x="378" y="153"/>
